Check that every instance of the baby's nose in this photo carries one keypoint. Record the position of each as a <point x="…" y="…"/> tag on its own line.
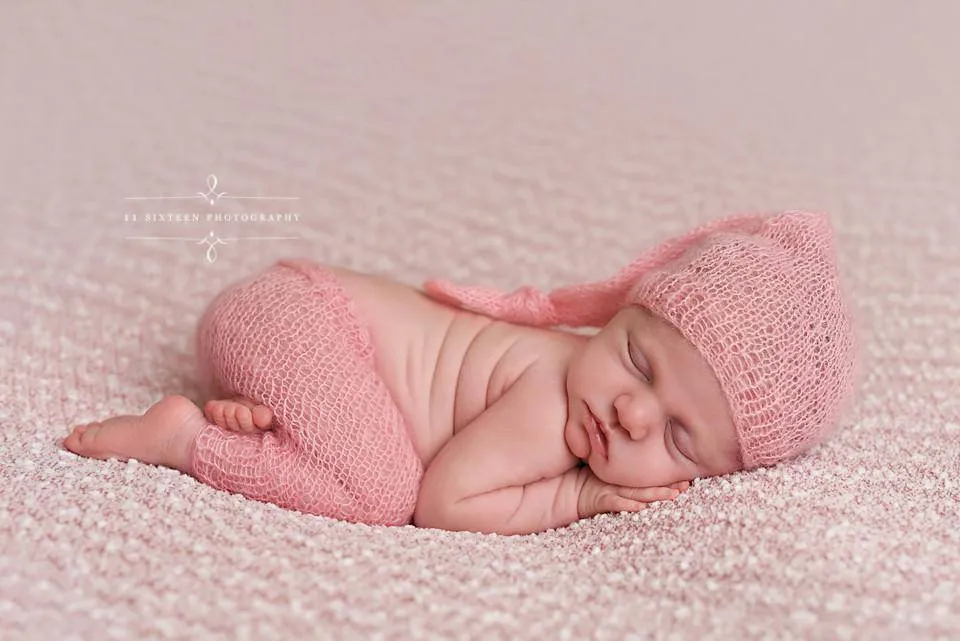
<point x="639" y="414"/>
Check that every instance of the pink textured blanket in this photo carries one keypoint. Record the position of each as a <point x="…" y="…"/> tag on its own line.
<point x="502" y="143"/>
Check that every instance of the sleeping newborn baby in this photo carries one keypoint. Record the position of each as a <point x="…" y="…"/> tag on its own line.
<point x="359" y="398"/>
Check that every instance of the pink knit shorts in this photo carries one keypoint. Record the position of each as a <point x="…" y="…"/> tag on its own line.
<point x="291" y="339"/>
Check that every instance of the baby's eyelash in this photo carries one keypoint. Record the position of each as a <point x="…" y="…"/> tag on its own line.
<point x="673" y="437"/>
<point x="633" y="361"/>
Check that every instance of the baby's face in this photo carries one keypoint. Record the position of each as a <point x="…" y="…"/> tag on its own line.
<point x="666" y="417"/>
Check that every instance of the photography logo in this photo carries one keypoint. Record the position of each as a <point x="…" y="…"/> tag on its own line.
<point x="211" y="198"/>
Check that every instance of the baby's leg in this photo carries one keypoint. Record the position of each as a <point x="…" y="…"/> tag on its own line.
<point x="290" y="339"/>
<point x="164" y="435"/>
<point x="270" y="466"/>
<point x="266" y="466"/>
<point x="239" y="414"/>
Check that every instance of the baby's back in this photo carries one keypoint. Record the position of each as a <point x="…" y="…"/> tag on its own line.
<point x="444" y="367"/>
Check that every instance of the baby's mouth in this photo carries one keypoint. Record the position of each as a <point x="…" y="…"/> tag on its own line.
<point x="603" y="437"/>
<point x="601" y="434"/>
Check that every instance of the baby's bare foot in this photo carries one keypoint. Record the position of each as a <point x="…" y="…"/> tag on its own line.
<point x="239" y="414"/>
<point x="164" y="435"/>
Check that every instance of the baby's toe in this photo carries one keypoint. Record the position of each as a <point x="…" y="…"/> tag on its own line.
<point x="72" y="442"/>
<point x="243" y="418"/>
<point x="230" y="417"/>
<point x="89" y="435"/>
<point x="82" y="437"/>
<point x="213" y="410"/>
<point x="222" y="413"/>
<point x="262" y="417"/>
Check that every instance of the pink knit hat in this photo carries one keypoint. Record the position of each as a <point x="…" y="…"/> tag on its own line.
<point x="758" y="295"/>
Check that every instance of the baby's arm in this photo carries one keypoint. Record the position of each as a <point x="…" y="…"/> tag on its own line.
<point x="499" y="474"/>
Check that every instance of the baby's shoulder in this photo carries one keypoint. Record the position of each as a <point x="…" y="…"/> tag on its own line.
<point x="502" y="355"/>
<point x="533" y="404"/>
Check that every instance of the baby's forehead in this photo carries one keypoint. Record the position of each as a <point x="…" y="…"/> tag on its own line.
<point x="638" y="317"/>
<point x="628" y="314"/>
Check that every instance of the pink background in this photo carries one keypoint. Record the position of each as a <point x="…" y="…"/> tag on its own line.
<point x="498" y="143"/>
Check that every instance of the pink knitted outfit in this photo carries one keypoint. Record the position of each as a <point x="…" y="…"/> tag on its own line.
<point x="758" y="295"/>
<point x="290" y="338"/>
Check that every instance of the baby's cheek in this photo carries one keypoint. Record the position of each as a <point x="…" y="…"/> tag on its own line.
<point x="659" y="470"/>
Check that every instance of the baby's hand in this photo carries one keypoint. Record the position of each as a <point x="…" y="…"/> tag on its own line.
<point x="239" y="414"/>
<point x="597" y="497"/>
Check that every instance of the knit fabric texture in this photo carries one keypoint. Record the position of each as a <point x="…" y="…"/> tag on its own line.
<point x="290" y="338"/>
<point x="758" y="295"/>
<point x="498" y="143"/>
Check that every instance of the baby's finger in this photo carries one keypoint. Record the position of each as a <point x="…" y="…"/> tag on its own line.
<point x="649" y="494"/>
<point x="683" y="486"/>
<point x="614" y="503"/>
